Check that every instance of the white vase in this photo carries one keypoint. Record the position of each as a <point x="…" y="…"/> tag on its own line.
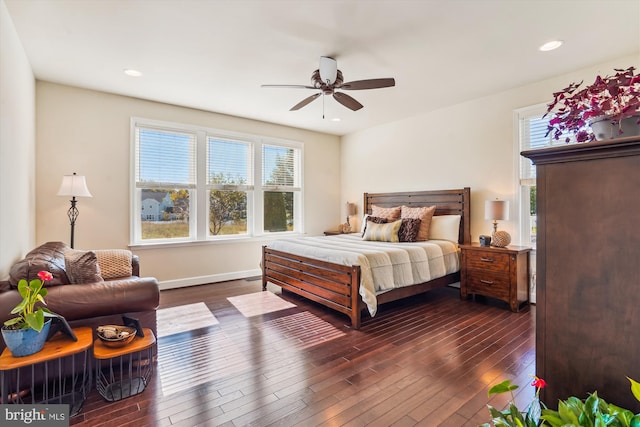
<point x="604" y="129"/>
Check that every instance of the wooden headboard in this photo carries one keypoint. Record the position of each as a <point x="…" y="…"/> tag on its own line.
<point x="447" y="202"/>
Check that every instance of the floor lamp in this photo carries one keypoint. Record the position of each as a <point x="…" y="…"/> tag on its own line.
<point x="74" y="186"/>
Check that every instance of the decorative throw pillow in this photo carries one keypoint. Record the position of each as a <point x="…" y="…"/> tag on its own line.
<point x="114" y="263"/>
<point x="82" y="266"/>
<point x="376" y="219"/>
<point x="392" y="214"/>
<point x="445" y="227"/>
<point x="387" y="232"/>
<point x="46" y="257"/>
<point x="409" y="229"/>
<point x="424" y="214"/>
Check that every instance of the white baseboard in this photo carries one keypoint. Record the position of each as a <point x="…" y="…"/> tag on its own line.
<point x="201" y="280"/>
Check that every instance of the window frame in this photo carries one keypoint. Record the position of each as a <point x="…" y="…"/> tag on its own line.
<point x="524" y="183"/>
<point x="199" y="196"/>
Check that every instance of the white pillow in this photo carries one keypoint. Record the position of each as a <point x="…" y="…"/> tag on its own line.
<point x="364" y="223"/>
<point x="445" y="227"/>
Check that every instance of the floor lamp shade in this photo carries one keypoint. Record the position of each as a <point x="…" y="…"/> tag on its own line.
<point x="74" y="186"/>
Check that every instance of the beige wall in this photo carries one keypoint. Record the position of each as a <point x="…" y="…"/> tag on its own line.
<point x="470" y="144"/>
<point x="17" y="148"/>
<point x="88" y="132"/>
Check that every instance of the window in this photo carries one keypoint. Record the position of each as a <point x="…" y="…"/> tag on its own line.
<point x="195" y="184"/>
<point x="532" y="134"/>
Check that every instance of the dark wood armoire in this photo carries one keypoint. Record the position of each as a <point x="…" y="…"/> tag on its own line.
<point x="588" y="270"/>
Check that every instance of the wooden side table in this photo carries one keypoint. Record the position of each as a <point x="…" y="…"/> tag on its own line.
<point x="125" y="371"/>
<point x="501" y="273"/>
<point x="65" y="381"/>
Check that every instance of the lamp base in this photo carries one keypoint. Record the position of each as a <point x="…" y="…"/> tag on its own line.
<point x="500" y="239"/>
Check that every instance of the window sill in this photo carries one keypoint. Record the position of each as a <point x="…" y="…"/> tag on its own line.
<point x="264" y="239"/>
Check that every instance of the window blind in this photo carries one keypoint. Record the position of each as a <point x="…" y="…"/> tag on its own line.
<point x="164" y="158"/>
<point x="280" y="167"/>
<point x="229" y="164"/>
<point x="533" y="136"/>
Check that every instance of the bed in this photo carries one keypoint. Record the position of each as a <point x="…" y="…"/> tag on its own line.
<point x="338" y="286"/>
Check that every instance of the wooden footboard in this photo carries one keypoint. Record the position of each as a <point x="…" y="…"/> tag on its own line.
<point x="335" y="286"/>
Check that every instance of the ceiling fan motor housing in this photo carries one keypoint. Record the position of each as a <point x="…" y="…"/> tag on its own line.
<point x="318" y="83"/>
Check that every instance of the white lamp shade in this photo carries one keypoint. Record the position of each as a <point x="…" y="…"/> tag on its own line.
<point x="496" y="210"/>
<point x="74" y="185"/>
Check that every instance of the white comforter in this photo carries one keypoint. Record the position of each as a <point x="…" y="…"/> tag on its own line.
<point x="383" y="266"/>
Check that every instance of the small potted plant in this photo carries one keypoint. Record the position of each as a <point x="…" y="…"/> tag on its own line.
<point x="611" y="104"/>
<point x="26" y="333"/>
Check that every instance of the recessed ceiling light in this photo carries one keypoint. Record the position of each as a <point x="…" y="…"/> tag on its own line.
<point x="132" y="73"/>
<point x="335" y="119"/>
<point x="554" y="44"/>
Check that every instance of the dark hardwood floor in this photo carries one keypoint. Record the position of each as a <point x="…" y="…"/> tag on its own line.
<point x="425" y="361"/>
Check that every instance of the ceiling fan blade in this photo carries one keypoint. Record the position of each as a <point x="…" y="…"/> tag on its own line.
<point x="369" y="84"/>
<point x="304" y="102"/>
<point x="347" y="101"/>
<point x="289" y="86"/>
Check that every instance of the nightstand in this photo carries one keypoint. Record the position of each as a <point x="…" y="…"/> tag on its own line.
<point x="501" y="273"/>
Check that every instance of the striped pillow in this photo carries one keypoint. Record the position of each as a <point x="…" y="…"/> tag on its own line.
<point x="382" y="232"/>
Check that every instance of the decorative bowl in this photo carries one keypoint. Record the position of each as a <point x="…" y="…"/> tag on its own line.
<point x="115" y="336"/>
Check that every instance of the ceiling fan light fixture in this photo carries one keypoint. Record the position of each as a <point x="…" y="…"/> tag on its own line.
<point x="328" y="70"/>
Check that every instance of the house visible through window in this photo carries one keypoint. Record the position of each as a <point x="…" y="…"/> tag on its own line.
<point x="199" y="184"/>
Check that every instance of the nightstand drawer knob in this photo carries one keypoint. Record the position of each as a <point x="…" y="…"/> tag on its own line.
<point x="486" y="259"/>
<point x="486" y="282"/>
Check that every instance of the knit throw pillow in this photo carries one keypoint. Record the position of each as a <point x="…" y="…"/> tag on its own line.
<point x="114" y="263"/>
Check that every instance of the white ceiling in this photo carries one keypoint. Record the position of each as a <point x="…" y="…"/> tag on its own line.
<point x="214" y="54"/>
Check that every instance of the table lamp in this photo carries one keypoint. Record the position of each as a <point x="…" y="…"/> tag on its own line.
<point x="495" y="210"/>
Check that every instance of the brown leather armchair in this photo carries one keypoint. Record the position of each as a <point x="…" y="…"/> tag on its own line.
<point x="86" y="304"/>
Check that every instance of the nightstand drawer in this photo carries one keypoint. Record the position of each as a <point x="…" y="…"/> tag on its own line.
<point x="491" y="285"/>
<point x="487" y="261"/>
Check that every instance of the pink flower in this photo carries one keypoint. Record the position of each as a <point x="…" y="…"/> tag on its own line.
<point x="45" y="275"/>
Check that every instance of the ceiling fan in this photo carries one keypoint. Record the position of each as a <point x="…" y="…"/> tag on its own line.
<point x="327" y="79"/>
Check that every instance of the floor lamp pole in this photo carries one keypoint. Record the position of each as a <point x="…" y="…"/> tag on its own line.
<point x="73" y="213"/>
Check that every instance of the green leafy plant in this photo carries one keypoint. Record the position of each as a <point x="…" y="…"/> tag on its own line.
<point x="28" y="315"/>
<point x="593" y="411"/>
<point x="512" y="416"/>
<point x="615" y="98"/>
<point x="573" y="412"/>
